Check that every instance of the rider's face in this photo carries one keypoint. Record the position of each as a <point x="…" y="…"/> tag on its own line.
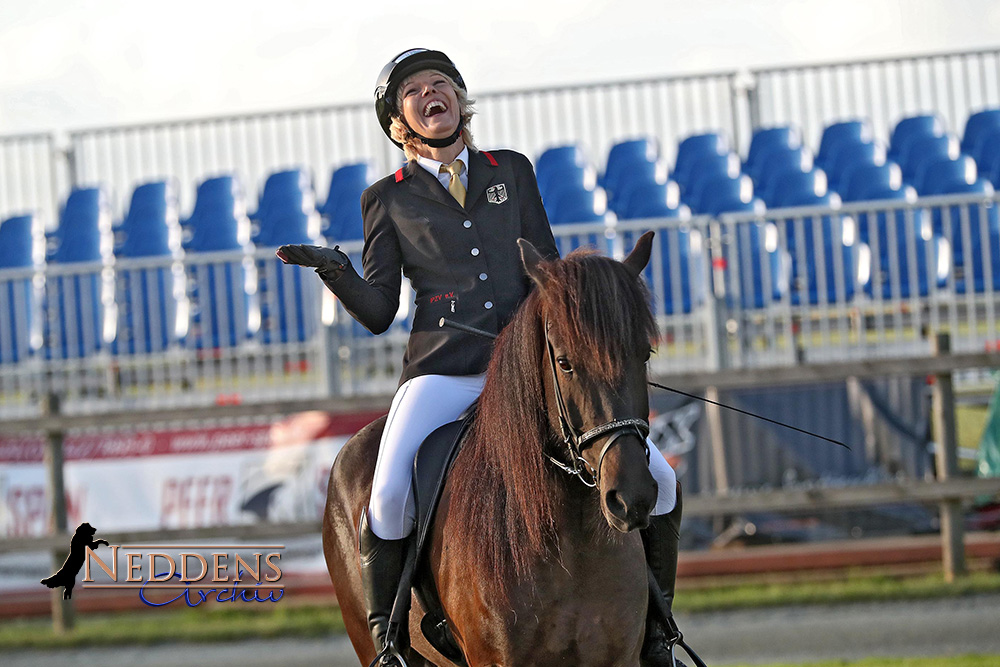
<point x="430" y="105"/>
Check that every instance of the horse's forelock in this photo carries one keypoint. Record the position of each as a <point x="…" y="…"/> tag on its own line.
<point x="598" y="310"/>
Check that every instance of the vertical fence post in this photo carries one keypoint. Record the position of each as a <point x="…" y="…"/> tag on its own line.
<point x="946" y="459"/>
<point x="62" y="610"/>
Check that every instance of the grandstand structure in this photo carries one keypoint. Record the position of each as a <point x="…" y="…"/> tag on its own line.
<point x="837" y="211"/>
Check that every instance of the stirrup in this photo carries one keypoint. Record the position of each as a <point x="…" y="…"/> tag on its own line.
<point x="389" y="650"/>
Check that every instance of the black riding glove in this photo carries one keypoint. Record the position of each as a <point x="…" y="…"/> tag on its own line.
<point x="329" y="263"/>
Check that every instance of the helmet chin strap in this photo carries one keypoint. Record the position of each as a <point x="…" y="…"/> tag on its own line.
<point x="439" y="143"/>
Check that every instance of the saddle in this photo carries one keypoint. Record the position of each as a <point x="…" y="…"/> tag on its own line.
<point x="430" y="471"/>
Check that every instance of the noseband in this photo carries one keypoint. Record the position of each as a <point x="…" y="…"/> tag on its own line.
<point x="576" y="442"/>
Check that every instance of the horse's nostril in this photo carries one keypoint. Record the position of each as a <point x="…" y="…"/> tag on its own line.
<point x="615" y="505"/>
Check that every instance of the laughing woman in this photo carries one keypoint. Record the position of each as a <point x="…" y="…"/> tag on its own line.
<point x="449" y="221"/>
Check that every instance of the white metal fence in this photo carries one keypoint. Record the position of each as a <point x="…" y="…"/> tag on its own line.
<point x="779" y="288"/>
<point x="885" y="90"/>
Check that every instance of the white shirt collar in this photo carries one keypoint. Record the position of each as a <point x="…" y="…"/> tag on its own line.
<point x="434" y="168"/>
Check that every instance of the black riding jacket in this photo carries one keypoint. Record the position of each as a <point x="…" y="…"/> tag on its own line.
<point x="463" y="263"/>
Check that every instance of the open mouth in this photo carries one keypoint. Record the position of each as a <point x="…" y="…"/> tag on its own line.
<point x="434" y="108"/>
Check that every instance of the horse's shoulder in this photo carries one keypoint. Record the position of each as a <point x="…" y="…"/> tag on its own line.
<point x="355" y="463"/>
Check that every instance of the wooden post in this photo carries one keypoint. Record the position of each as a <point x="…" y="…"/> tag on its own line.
<point x="714" y="415"/>
<point x="62" y="610"/>
<point x="719" y="470"/>
<point x="946" y="459"/>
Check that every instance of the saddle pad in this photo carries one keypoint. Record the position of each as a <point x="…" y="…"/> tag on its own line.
<point x="430" y="470"/>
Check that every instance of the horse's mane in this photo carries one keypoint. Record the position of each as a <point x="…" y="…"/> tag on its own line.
<point x="505" y="493"/>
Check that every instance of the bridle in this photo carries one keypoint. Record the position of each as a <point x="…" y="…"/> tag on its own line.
<point x="577" y="442"/>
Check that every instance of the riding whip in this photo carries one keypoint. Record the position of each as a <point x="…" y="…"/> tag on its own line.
<point x="445" y="322"/>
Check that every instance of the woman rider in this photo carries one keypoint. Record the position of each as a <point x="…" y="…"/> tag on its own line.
<point x="449" y="220"/>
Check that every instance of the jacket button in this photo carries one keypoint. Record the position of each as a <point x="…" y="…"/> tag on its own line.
<point x="488" y="304"/>
<point x="483" y="276"/>
<point x="467" y="224"/>
<point x="475" y="252"/>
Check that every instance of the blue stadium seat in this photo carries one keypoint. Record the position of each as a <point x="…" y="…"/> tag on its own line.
<point x="151" y="216"/>
<point x="636" y="175"/>
<point x="850" y="156"/>
<point x="838" y="256"/>
<point x="721" y="193"/>
<point x="757" y="252"/>
<point x="289" y="294"/>
<point x="893" y="242"/>
<point x="911" y="128"/>
<point x="676" y="273"/>
<point x="18" y="308"/>
<point x="147" y="302"/>
<point x="76" y="311"/>
<point x="864" y="182"/>
<point x="778" y="159"/>
<point x="757" y="259"/>
<point x="694" y="147"/>
<point x="573" y="205"/>
<point x="940" y="175"/>
<point x="987" y="149"/>
<point x="218" y="290"/>
<point x="794" y="187"/>
<point x="838" y="135"/>
<point x="992" y="173"/>
<point x="765" y="138"/>
<point x="979" y="123"/>
<point x="342" y="209"/>
<point x="558" y="177"/>
<point x="557" y="157"/>
<point x="579" y="205"/>
<point x="653" y="200"/>
<point x="982" y="235"/>
<point x="622" y="155"/>
<point x="924" y="150"/>
<point x="287" y="212"/>
<point x="706" y="168"/>
<point x="219" y="211"/>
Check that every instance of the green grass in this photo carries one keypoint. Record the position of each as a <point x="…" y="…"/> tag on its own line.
<point x="856" y="588"/>
<point x="200" y="624"/>
<point x="286" y="619"/>
<point x="947" y="661"/>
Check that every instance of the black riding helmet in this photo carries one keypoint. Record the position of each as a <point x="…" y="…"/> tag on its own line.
<point x="395" y="72"/>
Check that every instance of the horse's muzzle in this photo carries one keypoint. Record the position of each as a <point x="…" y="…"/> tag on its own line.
<point x="628" y="491"/>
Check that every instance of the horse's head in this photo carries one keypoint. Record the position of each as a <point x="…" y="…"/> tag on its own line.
<point x="598" y="330"/>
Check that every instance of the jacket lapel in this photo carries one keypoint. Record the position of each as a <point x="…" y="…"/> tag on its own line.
<point x="481" y="175"/>
<point x="425" y="185"/>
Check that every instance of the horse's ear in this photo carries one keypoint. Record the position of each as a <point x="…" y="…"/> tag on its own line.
<point x="531" y="258"/>
<point x="639" y="257"/>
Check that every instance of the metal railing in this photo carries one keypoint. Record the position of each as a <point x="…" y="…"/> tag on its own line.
<point x="882" y="90"/>
<point x="773" y="289"/>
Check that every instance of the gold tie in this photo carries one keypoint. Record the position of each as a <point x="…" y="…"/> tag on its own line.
<point x="455" y="186"/>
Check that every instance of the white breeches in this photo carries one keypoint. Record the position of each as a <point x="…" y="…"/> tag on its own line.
<point x="421" y="405"/>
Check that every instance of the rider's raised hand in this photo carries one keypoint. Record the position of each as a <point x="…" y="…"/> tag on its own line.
<point x="328" y="262"/>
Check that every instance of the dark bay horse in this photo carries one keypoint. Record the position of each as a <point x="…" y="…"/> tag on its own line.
<point x="532" y="565"/>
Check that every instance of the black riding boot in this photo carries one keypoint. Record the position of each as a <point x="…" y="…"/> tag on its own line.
<point x="381" y="568"/>
<point x="660" y="540"/>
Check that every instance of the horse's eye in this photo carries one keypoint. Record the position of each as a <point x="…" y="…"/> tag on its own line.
<point x="564" y="365"/>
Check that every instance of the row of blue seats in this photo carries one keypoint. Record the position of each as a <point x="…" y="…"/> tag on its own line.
<point x="780" y="172"/>
<point x="707" y="174"/>
<point x="148" y="301"/>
